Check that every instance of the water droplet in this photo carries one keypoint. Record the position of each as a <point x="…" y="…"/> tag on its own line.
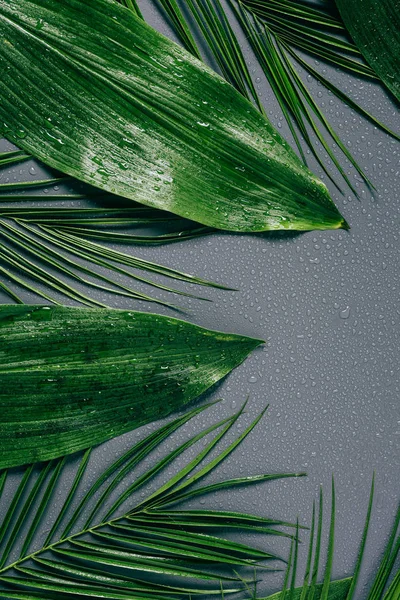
<point x="345" y="313"/>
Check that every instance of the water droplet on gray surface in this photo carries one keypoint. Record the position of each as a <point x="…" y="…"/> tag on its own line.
<point x="345" y="313"/>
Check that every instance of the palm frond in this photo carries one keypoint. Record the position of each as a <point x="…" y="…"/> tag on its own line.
<point x="216" y="31"/>
<point x="318" y="31"/>
<point x="287" y="26"/>
<point x="293" y="96"/>
<point x="13" y="156"/>
<point x="386" y="565"/>
<point x="343" y="589"/>
<point x="180" y="25"/>
<point x="275" y="29"/>
<point x="374" y="27"/>
<point x="37" y="240"/>
<point x="95" y="549"/>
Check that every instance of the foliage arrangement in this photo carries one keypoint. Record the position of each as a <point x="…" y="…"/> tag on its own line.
<point x="277" y="30"/>
<point x="169" y="145"/>
<point x="160" y="550"/>
<point x="106" y="543"/>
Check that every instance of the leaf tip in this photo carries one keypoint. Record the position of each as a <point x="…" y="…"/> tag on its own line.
<point x="344" y="225"/>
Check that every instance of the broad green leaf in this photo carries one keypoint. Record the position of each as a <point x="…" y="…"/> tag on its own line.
<point x="93" y="91"/>
<point x="375" y="28"/>
<point x="71" y="378"/>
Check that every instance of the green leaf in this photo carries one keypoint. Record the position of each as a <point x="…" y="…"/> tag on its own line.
<point x="394" y="589"/>
<point x="320" y="33"/>
<point x="337" y="591"/>
<point x="134" y="114"/>
<point x="363" y="542"/>
<point x="78" y="561"/>
<point x="15" y="156"/>
<point x="314" y="30"/>
<point x="26" y="243"/>
<point x="343" y="589"/>
<point x="71" y="378"/>
<point x="388" y="561"/>
<point x="375" y="28"/>
<point x="36" y="238"/>
<point x="175" y="15"/>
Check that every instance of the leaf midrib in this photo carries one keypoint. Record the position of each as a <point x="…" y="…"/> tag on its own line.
<point x="67" y="539"/>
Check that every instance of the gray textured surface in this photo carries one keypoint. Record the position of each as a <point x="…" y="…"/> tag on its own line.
<point x="327" y="304"/>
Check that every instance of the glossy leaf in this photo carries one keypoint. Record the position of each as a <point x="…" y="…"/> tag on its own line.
<point x="71" y="378"/>
<point x="292" y="25"/>
<point x="134" y="114"/>
<point x="375" y="28"/>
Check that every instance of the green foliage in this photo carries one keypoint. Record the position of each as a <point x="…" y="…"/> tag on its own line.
<point x="45" y="245"/>
<point x="115" y="538"/>
<point x="71" y="378"/>
<point x="276" y="30"/>
<point x="375" y="28"/>
<point x="343" y="589"/>
<point x="134" y="114"/>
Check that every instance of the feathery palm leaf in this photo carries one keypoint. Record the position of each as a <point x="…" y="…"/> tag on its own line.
<point x="35" y="240"/>
<point x="343" y="589"/>
<point x="284" y="27"/>
<point x="110" y="544"/>
<point x="317" y="30"/>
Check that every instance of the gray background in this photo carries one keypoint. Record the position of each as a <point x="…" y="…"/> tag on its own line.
<point x="327" y="305"/>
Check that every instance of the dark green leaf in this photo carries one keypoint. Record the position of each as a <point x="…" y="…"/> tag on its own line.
<point x="375" y="28"/>
<point x="113" y="118"/>
<point x="71" y="378"/>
